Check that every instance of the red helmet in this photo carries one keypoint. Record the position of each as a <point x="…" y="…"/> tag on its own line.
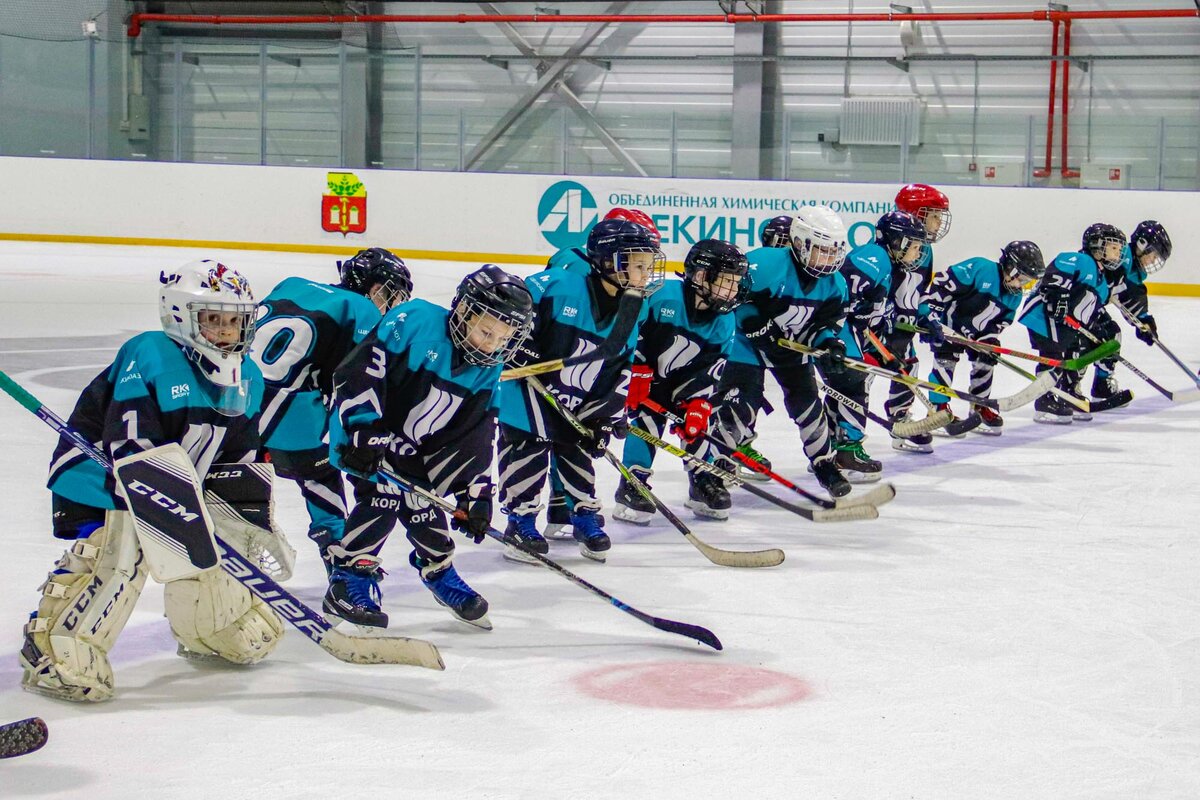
<point x="637" y="218"/>
<point x="928" y="205"/>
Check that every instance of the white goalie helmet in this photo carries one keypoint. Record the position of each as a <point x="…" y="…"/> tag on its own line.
<point x="819" y="240"/>
<point x="209" y="310"/>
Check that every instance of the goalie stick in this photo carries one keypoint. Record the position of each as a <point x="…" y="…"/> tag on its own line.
<point x="351" y="649"/>
<point x="1021" y="398"/>
<point x="725" y="558"/>
<point x="23" y="737"/>
<point x="1172" y="396"/>
<point x="700" y="634"/>
<point x="843" y="514"/>
<point x="1104" y="350"/>
<point x="1137" y="323"/>
<point x="629" y="308"/>
<point x="878" y="496"/>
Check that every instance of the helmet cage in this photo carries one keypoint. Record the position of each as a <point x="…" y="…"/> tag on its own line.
<point x="1098" y="245"/>
<point x="925" y="214"/>
<point x="469" y="311"/>
<point x="834" y="251"/>
<point x="617" y="271"/>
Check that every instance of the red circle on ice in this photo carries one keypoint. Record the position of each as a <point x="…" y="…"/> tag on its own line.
<point x="692" y="685"/>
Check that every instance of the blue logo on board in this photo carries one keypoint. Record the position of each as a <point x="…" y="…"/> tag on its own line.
<point x="566" y="213"/>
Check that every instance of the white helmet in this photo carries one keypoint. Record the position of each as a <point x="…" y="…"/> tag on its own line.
<point x="819" y="240"/>
<point x="209" y="310"/>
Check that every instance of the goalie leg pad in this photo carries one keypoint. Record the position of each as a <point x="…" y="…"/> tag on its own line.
<point x="212" y="614"/>
<point x="85" y="604"/>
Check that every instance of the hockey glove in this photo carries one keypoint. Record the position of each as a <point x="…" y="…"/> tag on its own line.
<point x="602" y="433"/>
<point x="833" y="360"/>
<point x="474" y="513"/>
<point x="639" y="386"/>
<point x="1149" y="333"/>
<point x="364" y="453"/>
<point x="931" y="333"/>
<point x="695" y="419"/>
<point x="986" y="356"/>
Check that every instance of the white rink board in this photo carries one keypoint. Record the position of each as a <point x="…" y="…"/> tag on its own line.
<point x="496" y="215"/>
<point x="1019" y="623"/>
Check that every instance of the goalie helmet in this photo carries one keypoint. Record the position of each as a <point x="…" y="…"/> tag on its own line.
<point x="930" y="206"/>
<point x="492" y="313"/>
<point x="1020" y="262"/>
<point x="637" y="218"/>
<point x="776" y="232"/>
<point x="714" y="271"/>
<point x="818" y="240"/>
<point x="1150" y="237"/>
<point x="897" y="232"/>
<point x="626" y="255"/>
<point x="208" y="309"/>
<point x="1105" y="243"/>
<point x="377" y="267"/>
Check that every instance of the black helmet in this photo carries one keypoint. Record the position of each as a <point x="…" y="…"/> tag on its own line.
<point x="704" y="265"/>
<point x="1020" y="262"/>
<point x="492" y="291"/>
<point x="610" y="238"/>
<point x="1096" y="236"/>
<point x="1151" y="236"/>
<point x="377" y="267"/>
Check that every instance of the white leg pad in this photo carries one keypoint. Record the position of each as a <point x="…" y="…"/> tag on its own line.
<point x="213" y="614"/>
<point x="85" y="604"/>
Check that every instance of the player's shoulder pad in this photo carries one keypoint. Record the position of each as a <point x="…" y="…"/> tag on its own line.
<point x="415" y="320"/>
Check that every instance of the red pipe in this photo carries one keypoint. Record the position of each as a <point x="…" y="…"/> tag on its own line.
<point x="1045" y="171"/>
<point x="136" y="21"/>
<point x="1067" y="172"/>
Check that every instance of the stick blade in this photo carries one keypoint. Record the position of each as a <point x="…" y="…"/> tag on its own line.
<point x="700" y="634"/>
<point x="27" y="735"/>
<point x="960" y="426"/>
<point x="1033" y="391"/>
<point x="382" y="650"/>
<point x="938" y="419"/>
<point x="881" y="495"/>
<point x="749" y="559"/>
<point x="846" y="513"/>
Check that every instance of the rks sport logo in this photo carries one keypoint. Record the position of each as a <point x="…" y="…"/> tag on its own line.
<point x="566" y="213"/>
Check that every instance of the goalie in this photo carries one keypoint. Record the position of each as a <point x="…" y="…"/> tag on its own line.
<point x="189" y="384"/>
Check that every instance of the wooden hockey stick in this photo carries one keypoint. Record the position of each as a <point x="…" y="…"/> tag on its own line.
<point x="700" y="634"/>
<point x="351" y="649"/>
<point x="725" y="558"/>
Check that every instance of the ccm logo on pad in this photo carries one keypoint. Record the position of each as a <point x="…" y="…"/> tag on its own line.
<point x="160" y="499"/>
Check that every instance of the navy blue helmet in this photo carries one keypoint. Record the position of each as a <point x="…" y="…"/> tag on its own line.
<point x="714" y="271"/>
<point x="1097" y="237"/>
<point x="377" y="267"/>
<point x="1150" y="237"/>
<point x="895" y="232"/>
<point x="613" y="242"/>
<point x="491" y="314"/>
<point x="777" y="232"/>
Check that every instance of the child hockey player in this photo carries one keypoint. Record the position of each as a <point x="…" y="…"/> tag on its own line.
<point x="575" y="314"/>
<point x="419" y="395"/>
<point x="190" y="384"/>
<point x="978" y="299"/>
<point x="305" y="330"/>
<point x="680" y="357"/>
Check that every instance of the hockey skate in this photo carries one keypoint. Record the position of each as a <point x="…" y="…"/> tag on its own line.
<point x="353" y="593"/>
<point x="830" y="477"/>
<point x="707" y="496"/>
<point x="746" y="448"/>
<point x="957" y="427"/>
<point x="1049" y="409"/>
<point x="1078" y="414"/>
<point x="451" y="591"/>
<point x="558" y="517"/>
<point x="631" y="506"/>
<point x="588" y="529"/>
<point x="1107" y="395"/>
<point x="322" y="537"/>
<point x="992" y="422"/>
<point x="917" y="443"/>
<point x="853" y="461"/>
<point x="522" y="530"/>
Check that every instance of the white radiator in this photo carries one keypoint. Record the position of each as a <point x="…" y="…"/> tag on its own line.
<point x="880" y="120"/>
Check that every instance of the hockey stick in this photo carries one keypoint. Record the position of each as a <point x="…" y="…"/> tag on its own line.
<point x="23" y="737"/>
<point x="938" y="419"/>
<point x="876" y="497"/>
<point x="1103" y="351"/>
<point x="944" y="416"/>
<point x="351" y="649"/>
<point x="892" y="357"/>
<point x="813" y="515"/>
<point x="1091" y="337"/>
<point x="700" y="634"/>
<point x="725" y="558"/>
<point x="629" y="307"/>
<point x="1023" y="397"/>
<point x="1137" y="323"/>
<point x="1080" y="403"/>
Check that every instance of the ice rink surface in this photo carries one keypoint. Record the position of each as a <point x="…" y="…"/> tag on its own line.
<point x="1023" y="621"/>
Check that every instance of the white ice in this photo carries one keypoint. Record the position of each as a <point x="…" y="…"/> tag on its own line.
<point x="1021" y="622"/>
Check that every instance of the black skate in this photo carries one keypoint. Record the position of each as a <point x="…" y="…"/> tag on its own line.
<point x="323" y="537"/>
<point x="707" y="496"/>
<point x="522" y="530"/>
<point x="855" y="464"/>
<point x="452" y="592"/>
<point x="1107" y="395"/>
<point x="745" y="473"/>
<point x="588" y="529"/>
<point x="631" y="506"/>
<point x="829" y="476"/>
<point x="558" y="517"/>
<point x="991" y="421"/>
<point x="958" y="427"/>
<point x="353" y="593"/>
<point x="1049" y="409"/>
<point x="917" y="443"/>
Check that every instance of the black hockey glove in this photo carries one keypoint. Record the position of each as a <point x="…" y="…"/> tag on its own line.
<point x="363" y="455"/>
<point x="1150" y="332"/>
<point x="1057" y="300"/>
<point x="474" y="513"/>
<point x="1104" y="327"/>
<point x="833" y="360"/>
<point x="931" y="333"/>
<point x="601" y="433"/>
<point x="986" y="356"/>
